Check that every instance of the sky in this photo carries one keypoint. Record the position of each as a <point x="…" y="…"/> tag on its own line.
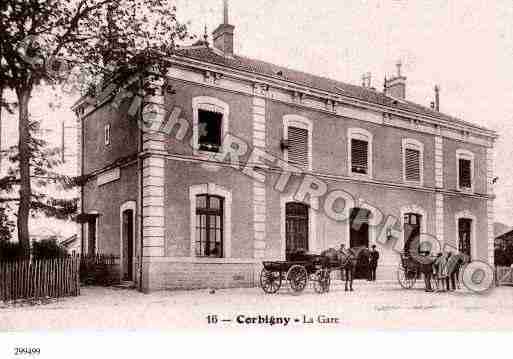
<point x="465" y="47"/>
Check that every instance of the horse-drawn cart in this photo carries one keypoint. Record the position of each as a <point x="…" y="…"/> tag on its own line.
<point x="297" y="272"/>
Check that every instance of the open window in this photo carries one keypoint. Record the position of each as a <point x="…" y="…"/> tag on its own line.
<point x="209" y="130"/>
<point x="210" y="124"/>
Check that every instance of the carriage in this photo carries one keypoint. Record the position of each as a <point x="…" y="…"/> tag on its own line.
<point x="410" y="270"/>
<point x="297" y="271"/>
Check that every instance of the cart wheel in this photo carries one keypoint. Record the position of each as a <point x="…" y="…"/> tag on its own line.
<point x="270" y="281"/>
<point x="297" y="277"/>
<point x="406" y="277"/>
<point x="322" y="281"/>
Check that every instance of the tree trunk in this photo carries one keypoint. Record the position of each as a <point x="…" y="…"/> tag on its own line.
<point x="24" y="163"/>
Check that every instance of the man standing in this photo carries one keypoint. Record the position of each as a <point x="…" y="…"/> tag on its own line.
<point x="373" y="263"/>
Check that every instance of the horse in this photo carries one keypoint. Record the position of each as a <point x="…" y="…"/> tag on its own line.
<point x="348" y="261"/>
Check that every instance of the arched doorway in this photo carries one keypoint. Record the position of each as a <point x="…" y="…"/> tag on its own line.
<point x="359" y="237"/>
<point x="412" y="228"/>
<point x="296" y="227"/>
<point x="127" y="245"/>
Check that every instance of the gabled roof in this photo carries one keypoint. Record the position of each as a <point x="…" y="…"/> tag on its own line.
<point x="207" y="54"/>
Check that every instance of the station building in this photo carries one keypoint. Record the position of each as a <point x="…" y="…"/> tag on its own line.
<point x="182" y="210"/>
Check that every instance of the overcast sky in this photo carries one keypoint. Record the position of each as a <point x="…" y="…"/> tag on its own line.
<point x="465" y="47"/>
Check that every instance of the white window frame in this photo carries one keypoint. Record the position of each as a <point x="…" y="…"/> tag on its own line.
<point x="364" y="135"/>
<point x="410" y="143"/>
<point x="208" y="104"/>
<point x="466" y="214"/>
<point x="299" y="122"/>
<point x="465" y="155"/>
<point x="211" y="189"/>
<point x="106" y="134"/>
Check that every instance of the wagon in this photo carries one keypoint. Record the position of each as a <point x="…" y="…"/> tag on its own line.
<point x="297" y="272"/>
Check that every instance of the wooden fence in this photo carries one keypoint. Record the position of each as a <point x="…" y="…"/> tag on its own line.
<point x="99" y="269"/>
<point x="44" y="278"/>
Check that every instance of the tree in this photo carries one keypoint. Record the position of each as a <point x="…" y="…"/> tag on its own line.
<point x="109" y="39"/>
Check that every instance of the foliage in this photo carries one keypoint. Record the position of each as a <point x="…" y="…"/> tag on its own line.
<point x="41" y="40"/>
<point x="6" y="226"/>
<point x="48" y="249"/>
<point x="11" y="251"/>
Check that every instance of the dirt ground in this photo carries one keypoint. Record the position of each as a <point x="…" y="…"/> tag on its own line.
<point x="371" y="306"/>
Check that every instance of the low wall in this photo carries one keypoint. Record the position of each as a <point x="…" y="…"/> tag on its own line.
<point x="174" y="274"/>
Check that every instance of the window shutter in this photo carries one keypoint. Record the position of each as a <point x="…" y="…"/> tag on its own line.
<point x="359" y="156"/>
<point x="298" y="146"/>
<point x="465" y="173"/>
<point x="412" y="165"/>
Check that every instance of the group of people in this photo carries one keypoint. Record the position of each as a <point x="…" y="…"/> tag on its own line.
<point x="373" y="259"/>
<point x="445" y="271"/>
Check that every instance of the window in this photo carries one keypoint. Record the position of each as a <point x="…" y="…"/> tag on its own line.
<point x="209" y="132"/>
<point x="210" y="124"/>
<point x="465" y="170"/>
<point x="298" y="134"/>
<point x="209" y="226"/>
<point x="106" y="133"/>
<point x="360" y="152"/>
<point x="413" y="161"/>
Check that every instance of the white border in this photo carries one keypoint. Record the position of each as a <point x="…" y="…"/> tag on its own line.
<point x="473" y="245"/>
<point x="410" y="143"/>
<point x="364" y="135"/>
<point x="208" y="104"/>
<point x="299" y="122"/>
<point x="212" y="189"/>
<point x="312" y="225"/>
<point x="467" y="155"/>
<point x="126" y="206"/>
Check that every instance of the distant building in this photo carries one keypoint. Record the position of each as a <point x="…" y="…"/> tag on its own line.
<point x="197" y="220"/>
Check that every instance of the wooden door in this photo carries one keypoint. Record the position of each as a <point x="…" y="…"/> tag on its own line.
<point x="359" y="237"/>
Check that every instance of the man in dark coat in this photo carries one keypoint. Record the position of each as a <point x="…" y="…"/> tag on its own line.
<point x="373" y="263"/>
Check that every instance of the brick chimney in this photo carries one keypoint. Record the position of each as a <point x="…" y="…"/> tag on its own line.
<point x="223" y="35"/>
<point x="396" y="86"/>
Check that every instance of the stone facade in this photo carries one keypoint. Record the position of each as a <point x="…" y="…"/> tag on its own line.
<point x="162" y="173"/>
